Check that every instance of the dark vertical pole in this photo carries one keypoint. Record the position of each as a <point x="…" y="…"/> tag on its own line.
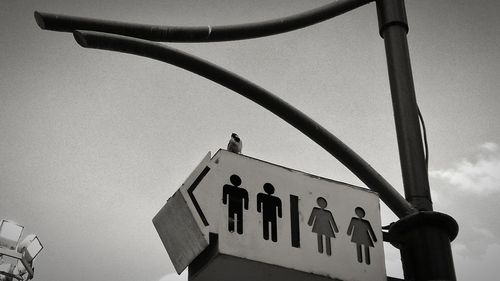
<point x="424" y="238"/>
<point x="393" y="28"/>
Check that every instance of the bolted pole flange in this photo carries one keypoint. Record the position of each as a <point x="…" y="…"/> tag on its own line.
<point x="424" y="241"/>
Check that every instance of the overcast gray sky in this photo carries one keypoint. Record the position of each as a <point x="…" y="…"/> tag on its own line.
<point x="93" y="143"/>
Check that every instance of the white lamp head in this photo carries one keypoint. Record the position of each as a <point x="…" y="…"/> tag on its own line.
<point x="30" y="247"/>
<point x="10" y="232"/>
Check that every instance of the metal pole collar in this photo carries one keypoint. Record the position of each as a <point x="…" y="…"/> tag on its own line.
<point x="425" y="219"/>
<point x="391" y="12"/>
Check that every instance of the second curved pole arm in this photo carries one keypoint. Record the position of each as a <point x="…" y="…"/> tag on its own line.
<point x="199" y="33"/>
<point x="240" y="85"/>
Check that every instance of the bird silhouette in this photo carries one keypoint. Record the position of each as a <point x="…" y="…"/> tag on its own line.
<point x="235" y="144"/>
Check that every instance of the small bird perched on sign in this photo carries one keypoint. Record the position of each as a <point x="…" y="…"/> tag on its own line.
<point x="234" y="144"/>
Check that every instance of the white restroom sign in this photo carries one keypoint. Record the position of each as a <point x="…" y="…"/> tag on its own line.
<point x="271" y="214"/>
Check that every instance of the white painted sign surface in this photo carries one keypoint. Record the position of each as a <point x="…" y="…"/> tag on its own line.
<point x="276" y="215"/>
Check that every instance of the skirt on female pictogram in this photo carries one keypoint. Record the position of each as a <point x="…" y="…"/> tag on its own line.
<point x="361" y="232"/>
<point x="323" y="222"/>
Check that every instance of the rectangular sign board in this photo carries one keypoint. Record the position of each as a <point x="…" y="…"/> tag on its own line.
<point x="279" y="216"/>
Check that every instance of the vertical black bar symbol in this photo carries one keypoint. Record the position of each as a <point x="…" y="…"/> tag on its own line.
<point x="294" y="220"/>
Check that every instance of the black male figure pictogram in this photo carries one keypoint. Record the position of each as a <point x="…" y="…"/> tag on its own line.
<point x="362" y="234"/>
<point x="323" y="224"/>
<point x="270" y="206"/>
<point x="236" y="198"/>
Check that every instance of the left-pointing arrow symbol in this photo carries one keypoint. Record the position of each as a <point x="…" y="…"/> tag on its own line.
<point x="193" y="199"/>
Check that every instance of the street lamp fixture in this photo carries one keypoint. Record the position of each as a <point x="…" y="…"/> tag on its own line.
<point x="30" y="247"/>
<point x="10" y="232"/>
<point x="16" y="259"/>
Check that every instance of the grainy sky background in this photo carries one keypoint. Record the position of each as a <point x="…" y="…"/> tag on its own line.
<point x="92" y="143"/>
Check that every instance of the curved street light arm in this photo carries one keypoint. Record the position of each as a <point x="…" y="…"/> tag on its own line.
<point x="285" y="111"/>
<point x="200" y="33"/>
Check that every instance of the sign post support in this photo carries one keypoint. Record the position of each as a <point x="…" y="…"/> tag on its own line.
<point x="424" y="237"/>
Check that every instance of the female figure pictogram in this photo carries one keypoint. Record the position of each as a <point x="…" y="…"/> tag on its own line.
<point x="362" y="234"/>
<point x="323" y="224"/>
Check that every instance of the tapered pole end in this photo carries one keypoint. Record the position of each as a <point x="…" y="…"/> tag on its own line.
<point x="39" y="20"/>
<point x="80" y="38"/>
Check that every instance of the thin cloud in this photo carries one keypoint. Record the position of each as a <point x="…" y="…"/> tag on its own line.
<point x="480" y="176"/>
<point x="490" y="146"/>
<point x="474" y="242"/>
<point x="470" y="192"/>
